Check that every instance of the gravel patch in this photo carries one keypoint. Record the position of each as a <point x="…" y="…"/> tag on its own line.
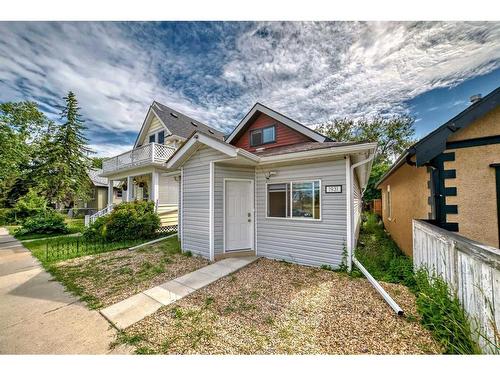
<point x="272" y="307"/>
<point x="107" y="278"/>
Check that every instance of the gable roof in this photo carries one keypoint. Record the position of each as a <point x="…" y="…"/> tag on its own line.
<point x="177" y="123"/>
<point x="260" y="108"/>
<point x="434" y="143"/>
<point x="190" y="146"/>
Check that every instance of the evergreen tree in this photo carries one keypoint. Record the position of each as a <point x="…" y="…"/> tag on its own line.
<point x="64" y="161"/>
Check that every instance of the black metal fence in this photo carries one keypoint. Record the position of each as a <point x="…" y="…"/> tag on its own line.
<point x="73" y="247"/>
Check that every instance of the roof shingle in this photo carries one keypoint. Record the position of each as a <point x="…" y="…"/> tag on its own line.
<point x="182" y="125"/>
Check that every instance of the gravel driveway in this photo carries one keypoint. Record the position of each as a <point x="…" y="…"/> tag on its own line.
<point x="274" y="307"/>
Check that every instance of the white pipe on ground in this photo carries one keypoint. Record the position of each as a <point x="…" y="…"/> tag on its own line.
<point x="353" y="259"/>
<point x="379" y="288"/>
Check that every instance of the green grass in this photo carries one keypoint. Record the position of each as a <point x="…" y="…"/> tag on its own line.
<point x="380" y="255"/>
<point x="442" y="313"/>
<point x="439" y="309"/>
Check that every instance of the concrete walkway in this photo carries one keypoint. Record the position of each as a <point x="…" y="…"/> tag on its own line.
<point x="133" y="309"/>
<point x="38" y="317"/>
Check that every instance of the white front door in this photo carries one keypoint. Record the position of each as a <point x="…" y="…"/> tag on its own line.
<point x="238" y="215"/>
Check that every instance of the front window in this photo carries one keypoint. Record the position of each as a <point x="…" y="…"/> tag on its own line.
<point x="294" y="200"/>
<point x="151" y="138"/>
<point x="263" y="136"/>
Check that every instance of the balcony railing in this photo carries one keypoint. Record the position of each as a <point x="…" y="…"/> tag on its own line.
<point x="148" y="154"/>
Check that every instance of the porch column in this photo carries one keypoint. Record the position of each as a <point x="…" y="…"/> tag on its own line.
<point x="130" y="189"/>
<point x="155" y="189"/>
<point x="110" y="192"/>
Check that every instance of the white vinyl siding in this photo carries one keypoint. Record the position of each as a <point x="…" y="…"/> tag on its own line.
<point x="357" y="203"/>
<point x="168" y="190"/>
<point x="196" y="201"/>
<point x="222" y="172"/>
<point x="304" y="241"/>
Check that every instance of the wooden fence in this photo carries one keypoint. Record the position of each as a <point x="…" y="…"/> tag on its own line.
<point x="471" y="269"/>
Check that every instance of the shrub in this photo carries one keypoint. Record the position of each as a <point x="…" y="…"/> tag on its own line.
<point x="7" y="216"/>
<point x="46" y="222"/>
<point x="381" y="256"/>
<point x="130" y="220"/>
<point x="30" y="205"/>
<point x="442" y="314"/>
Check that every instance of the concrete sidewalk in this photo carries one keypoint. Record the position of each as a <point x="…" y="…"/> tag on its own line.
<point x="133" y="309"/>
<point x="38" y="317"/>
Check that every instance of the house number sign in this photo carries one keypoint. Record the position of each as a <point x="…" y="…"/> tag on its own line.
<point x="329" y="189"/>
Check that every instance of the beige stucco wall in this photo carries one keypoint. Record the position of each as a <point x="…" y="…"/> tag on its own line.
<point x="475" y="182"/>
<point x="409" y="193"/>
<point x="485" y="126"/>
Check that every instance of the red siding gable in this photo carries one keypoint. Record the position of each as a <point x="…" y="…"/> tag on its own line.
<point x="284" y="135"/>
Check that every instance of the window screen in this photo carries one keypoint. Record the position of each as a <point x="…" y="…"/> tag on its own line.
<point x="262" y="136"/>
<point x="277" y="200"/>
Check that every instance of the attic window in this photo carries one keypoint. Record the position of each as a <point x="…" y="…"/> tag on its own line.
<point x="263" y="136"/>
<point x="194" y="123"/>
<point x="173" y="114"/>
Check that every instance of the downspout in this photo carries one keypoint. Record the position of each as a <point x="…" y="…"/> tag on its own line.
<point x="352" y="257"/>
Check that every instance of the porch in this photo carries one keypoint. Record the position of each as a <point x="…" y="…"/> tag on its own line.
<point x="147" y="184"/>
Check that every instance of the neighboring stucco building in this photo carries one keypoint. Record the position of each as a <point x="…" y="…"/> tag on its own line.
<point x="450" y="177"/>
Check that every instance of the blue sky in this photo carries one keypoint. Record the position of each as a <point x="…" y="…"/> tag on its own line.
<point x="215" y="71"/>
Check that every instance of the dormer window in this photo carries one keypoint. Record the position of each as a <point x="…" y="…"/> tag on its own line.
<point x="263" y="136"/>
<point x="161" y="137"/>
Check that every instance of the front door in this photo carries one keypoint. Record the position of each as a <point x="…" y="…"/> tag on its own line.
<point x="238" y="215"/>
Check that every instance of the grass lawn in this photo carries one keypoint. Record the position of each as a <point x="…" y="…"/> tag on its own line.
<point x="74" y="226"/>
<point x="272" y="307"/>
<point x="103" y="279"/>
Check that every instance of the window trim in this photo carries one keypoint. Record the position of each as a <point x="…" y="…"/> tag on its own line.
<point x="296" y="218"/>
<point x="389" y="203"/>
<point x="262" y="131"/>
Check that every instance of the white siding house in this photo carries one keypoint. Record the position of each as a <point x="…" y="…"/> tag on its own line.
<point x="301" y="206"/>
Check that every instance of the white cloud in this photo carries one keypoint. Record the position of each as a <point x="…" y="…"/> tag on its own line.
<point x="309" y="71"/>
<point x="107" y="150"/>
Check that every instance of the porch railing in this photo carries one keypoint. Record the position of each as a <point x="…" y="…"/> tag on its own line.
<point x="147" y="154"/>
<point x="90" y="219"/>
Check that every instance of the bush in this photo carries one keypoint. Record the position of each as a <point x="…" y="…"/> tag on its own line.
<point x="127" y="221"/>
<point x="442" y="314"/>
<point x="7" y="216"/>
<point x="30" y="205"/>
<point x="46" y="222"/>
<point x="381" y="256"/>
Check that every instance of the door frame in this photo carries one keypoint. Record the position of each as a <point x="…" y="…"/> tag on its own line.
<point x="252" y="234"/>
